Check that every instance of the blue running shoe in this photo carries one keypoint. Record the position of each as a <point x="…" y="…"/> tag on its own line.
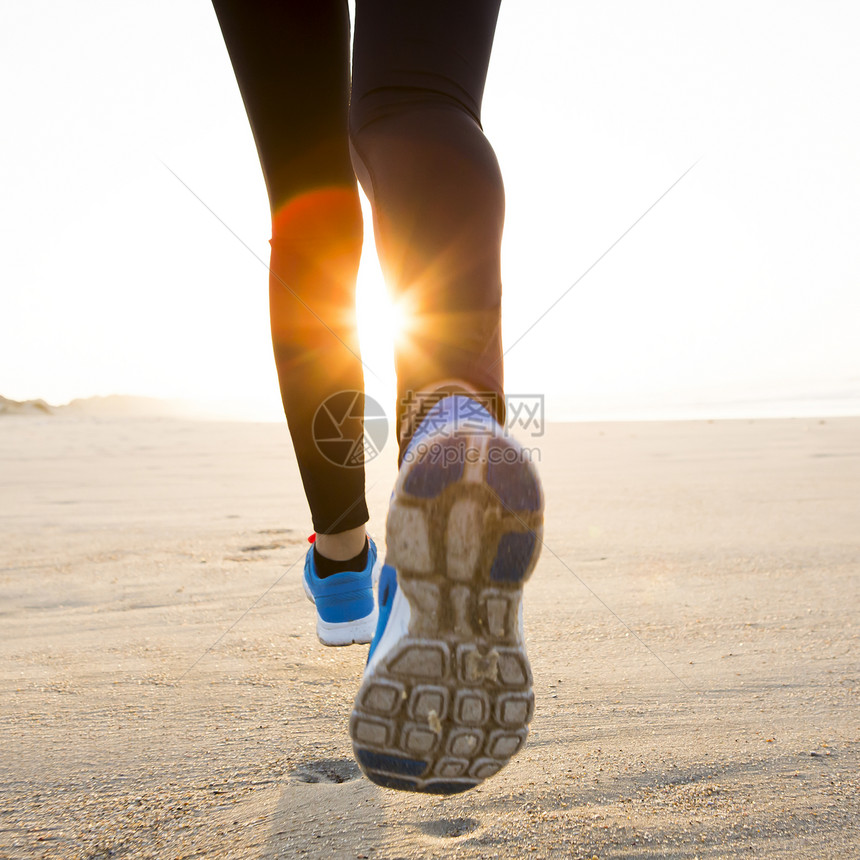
<point x="346" y="607"/>
<point x="446" y="697"/>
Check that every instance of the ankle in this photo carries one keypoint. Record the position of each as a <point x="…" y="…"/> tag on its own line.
<point x="341" y="545"/>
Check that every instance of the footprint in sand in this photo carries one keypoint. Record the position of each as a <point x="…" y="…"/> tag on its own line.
<point x="449" y="828"/>
<point x="329" y="770"/>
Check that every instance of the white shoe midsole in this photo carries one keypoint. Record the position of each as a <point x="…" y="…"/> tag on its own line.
<point x="358" y="630"/>
<point x="333" y="627"/>
<point x="396" y="628"/>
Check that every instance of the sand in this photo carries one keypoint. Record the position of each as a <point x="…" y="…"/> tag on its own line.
<point x="692" y="626"/>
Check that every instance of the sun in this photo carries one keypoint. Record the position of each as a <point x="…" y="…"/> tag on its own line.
<point x="380" y="323"/>
<point x="396" y="318"/>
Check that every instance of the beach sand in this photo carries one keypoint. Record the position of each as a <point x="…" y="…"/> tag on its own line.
<point x="692" y="627"/>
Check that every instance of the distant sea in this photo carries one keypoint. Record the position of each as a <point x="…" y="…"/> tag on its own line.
<point x="833" y="404"/>
<point x="841" y="402"/>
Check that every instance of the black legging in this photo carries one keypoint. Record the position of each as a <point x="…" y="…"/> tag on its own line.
<point x="411" y="133"/>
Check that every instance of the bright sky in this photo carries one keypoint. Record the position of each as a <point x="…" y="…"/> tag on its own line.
<point x="742" y="283"/>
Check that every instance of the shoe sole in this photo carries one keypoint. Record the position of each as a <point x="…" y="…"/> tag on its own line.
<point x="449" y="703"/>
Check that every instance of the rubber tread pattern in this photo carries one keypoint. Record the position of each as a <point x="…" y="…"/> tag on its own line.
<point x="455" y="693"/>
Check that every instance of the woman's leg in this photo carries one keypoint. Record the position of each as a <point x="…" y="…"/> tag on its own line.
<point x="438" y="201"/>
<point x="291" y="60"/>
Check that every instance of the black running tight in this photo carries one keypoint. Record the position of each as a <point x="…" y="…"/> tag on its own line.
<point x="411" y="133"/>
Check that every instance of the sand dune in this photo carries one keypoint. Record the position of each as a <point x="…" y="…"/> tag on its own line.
<point x="111" y="406"/>
<point x="692" y="625"/>
<point x="25" y="407"/>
